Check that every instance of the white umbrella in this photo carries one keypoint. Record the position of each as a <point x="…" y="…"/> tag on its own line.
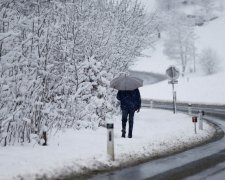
<point x="126" y="83"/>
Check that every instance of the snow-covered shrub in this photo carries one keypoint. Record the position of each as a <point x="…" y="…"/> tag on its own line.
<point x="57" y="59"/>
<point x="209" y="61"/>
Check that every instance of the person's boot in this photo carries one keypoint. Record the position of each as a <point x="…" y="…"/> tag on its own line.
<point x="123" y="133"/>
<point x="123" y="129"/>
<point x="130" y="134"/>
<point x="130" y="130"/>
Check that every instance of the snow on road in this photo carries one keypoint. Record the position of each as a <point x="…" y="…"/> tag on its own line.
<point x="155" y="132"/>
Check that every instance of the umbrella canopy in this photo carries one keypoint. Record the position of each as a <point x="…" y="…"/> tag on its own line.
<point x="126" y="83"/>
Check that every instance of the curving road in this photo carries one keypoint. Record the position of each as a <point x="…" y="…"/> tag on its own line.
<point x="207" y="161"/>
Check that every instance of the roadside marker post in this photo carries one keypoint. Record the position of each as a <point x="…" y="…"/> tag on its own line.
<point x="110" y="141"/>
<point x="201" y="114"/>
<point x="195" y="120"/>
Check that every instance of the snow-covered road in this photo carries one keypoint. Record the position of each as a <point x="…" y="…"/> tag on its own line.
<point x="217" y="171"/>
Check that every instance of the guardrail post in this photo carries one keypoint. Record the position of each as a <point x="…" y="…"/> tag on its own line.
<point x="189" y="109"/>
<point x="110" y="141"/>
<point x="151" y="104"/>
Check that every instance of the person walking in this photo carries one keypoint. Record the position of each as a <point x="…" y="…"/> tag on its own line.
<point x="130" y="101"/>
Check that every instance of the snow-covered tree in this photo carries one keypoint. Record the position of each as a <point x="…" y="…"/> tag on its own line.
<point x="208" y="8"/>
<point x="12" y="69"/>
<point x="209" y="61"/>
<point x="57" y="59"/>
<point x="179" y="43"/>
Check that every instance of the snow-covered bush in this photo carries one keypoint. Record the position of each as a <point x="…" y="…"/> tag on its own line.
<point x="57" y="59"/>
<point x="209" y="61"/>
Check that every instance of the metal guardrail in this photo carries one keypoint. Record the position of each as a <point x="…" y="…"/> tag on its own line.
<point x="209" y="109"/>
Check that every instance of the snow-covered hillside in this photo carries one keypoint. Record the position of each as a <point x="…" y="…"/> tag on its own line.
<point x="194" y="87"/>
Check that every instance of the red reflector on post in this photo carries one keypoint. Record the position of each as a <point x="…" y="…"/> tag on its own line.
<point x="194" y="119"/>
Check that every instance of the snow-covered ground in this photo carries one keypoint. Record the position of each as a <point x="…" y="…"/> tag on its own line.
<point x="201" y="89"/>
<point x="155" y="132"/>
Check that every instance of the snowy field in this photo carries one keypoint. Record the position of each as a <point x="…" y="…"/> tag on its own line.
<point x="155" y="132"/>
<point x="209" y="89"/>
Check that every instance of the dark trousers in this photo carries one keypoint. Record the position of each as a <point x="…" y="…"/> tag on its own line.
<point x="125" y="114"/>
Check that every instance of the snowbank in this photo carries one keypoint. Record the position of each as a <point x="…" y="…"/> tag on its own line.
<point x="155" y="132"/>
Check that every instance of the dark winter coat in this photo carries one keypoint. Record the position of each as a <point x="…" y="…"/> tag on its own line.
<point x="129" y="100"/>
